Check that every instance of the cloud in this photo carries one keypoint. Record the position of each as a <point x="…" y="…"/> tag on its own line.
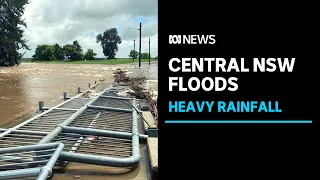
<point x="148" y="29"/>
<point x="62" y="22"/>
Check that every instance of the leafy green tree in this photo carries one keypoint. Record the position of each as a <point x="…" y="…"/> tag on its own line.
<point x="72" y="52"/>
<point x="78" y="47"/>
<point x="145" y="56"/>
<point x="109" y="41"/>
<point x="44" y="53"/>
<point x="11" y="31"/>
<point x="156" y="57"/>
<point x="89" y="55"/>
<point x="3" y="55"/>
<point x="133" y="54"/>
<point x="58" y="52"/>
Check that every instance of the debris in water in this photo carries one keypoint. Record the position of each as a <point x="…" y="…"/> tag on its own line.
<point x="137" y="90"/>
<point x="90" y="94"/>
<point x="77" y="177"/>
<point x="2" y="97"/>
<point x="125" y="93"/>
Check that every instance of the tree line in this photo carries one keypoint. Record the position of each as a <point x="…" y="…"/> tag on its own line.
<point x="135" y="54"/>
<point x="109" y="41"/>
<point x="12" y="40"/>
<point x="73" y="52"/>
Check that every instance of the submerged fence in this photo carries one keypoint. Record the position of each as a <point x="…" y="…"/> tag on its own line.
<point x="102" y="130"/>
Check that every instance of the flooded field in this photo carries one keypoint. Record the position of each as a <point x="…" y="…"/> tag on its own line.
<point x="22" y="87"/>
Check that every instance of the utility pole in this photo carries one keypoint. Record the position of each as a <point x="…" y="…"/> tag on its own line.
<point x="134" y="47"/>
<point x="149" y="52"/>
<point x="140" y="47"/>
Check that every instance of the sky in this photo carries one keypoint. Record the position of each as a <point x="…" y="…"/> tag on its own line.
<point x="63" y="21"/>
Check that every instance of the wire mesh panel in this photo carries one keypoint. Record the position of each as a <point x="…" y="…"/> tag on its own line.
<point x="48" y="122"/>
<point x="19" y="139"/>
<point x="24" y="178"/>
<point x="29" y="161"/>
<point x="110" y="93"/>
<point x="101" y="126"/>
<point x="104" y="120"/>
<point x="114" y="103"/>
<point x="95" y="145"/>
<point x="76" y="103"/>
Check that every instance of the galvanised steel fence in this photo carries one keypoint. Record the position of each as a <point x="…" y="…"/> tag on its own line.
<point x="102" y="130"/>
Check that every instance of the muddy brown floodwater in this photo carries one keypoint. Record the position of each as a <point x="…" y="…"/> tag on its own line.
<point x="23" y="86"/>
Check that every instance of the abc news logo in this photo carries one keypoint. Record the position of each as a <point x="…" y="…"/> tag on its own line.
<point x="192" y="39"/>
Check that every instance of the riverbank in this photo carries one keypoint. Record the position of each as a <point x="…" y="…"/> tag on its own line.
<point x="107" y="61"/>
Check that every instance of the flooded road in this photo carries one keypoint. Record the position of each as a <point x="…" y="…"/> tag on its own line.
<point x="22" y="87"/>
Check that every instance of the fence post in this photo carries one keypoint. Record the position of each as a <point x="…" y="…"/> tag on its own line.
<point x="41" y="104"/>
<point x="64" y="95"/>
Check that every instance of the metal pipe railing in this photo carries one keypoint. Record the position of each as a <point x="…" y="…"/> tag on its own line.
<point x="115" y="97"/>
<point x="98" y="132"/>
<point x="58" y="129"/>
<point x="109" y="108"/>
<point x="42" y="172"/>
<point x="111" y="161"/>
<point x="46" y="171"/>
<point x="36" y="117"/>
<point x="20" y="173"/>
<point x="28" y="148"/>
<point x="29" y="132"/>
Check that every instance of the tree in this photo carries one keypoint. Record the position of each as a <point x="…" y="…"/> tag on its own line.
<point x="11" y="31"/>
<point x="89" y="55"/>
<point x="72" y="52"/>
<point x="44" y="53"/>
<point x="3" y="55"/>
<point x="133" y="54"/>
<point x="109" y="42"/>
<point x="145" y="56"/>
<point x="156" y="57"/>
<point x="78" y="47"/>
<point x="58" y="52"/>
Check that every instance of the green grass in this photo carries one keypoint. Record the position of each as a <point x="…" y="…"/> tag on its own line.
<point x="107" y="61"/>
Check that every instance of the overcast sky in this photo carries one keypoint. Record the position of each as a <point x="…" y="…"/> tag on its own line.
<point x="63" y="21"/>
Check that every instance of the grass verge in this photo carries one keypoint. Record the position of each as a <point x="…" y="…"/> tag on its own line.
<point x="107" y="61"/>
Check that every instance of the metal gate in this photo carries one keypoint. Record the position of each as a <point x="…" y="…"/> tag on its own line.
<point x="102" y="130"/>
